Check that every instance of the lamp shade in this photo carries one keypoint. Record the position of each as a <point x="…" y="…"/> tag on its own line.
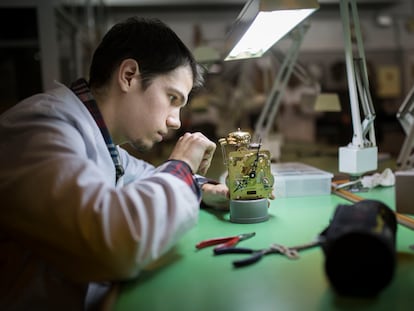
<point x="262" y="23"/>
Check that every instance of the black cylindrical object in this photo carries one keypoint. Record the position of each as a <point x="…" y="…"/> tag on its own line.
<point x="359" y="248"/>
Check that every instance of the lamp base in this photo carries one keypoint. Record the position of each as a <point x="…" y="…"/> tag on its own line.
<point x="249" y="211"/>
<point x="357" y="161"/>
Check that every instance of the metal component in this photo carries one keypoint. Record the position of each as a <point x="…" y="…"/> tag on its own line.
<point x="233" y="142"/>
<point x="249" y="174"/>
<point x="290" y="253"/>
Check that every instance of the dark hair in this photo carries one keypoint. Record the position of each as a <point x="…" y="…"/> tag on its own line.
<point x="156" y="47"/>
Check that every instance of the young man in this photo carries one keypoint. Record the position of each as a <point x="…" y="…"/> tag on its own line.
<point x="76" y="209"/>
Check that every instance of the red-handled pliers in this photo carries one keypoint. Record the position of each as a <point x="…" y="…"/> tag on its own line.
<point x="224" y="242"/>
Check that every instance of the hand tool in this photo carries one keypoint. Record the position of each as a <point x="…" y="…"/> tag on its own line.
<point x="289" y="252"/>
<point x="224" y="242"/>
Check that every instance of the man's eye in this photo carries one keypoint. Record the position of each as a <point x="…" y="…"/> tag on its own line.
<point x="173" y="98"/>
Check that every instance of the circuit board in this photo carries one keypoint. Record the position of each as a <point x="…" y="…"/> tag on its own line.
<point x="249" y="174"/>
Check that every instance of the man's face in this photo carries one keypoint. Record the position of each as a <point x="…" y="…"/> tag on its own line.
<point x="153" y="112"/>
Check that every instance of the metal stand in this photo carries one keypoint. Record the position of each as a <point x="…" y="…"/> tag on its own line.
<point x="269" y="111"/>
<point x="361" y="155"/>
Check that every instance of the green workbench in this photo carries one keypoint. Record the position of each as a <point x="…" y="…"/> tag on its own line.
<point x="196" y="280"/>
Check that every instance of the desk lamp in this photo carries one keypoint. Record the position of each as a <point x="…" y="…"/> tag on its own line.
<point x="404" y="176"/>
<point x="359" y="156"/>
<point x="260" y="25"/>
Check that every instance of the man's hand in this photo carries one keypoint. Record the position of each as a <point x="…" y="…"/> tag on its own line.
<point x="216" y="196"/>
<point x="196" y="150"/>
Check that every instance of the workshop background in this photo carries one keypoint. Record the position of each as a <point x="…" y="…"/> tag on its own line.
<point x="42" y="41"/>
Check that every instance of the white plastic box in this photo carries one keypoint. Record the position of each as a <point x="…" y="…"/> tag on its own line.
<point x="293" y="179"/>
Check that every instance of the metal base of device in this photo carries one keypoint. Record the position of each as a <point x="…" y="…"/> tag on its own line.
<point x="249" y="211"/>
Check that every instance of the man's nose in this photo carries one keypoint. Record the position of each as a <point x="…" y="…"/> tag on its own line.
<point x="173" y="121"/>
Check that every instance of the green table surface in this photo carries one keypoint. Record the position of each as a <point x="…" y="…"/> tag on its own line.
<point x="190" y="279"/>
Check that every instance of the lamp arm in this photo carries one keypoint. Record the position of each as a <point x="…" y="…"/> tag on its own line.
<point x="271" y="106"/>
<point x="298" y="70"/>
<point x="361" y="155"/>
<point x="405" y="113"/>
<point x="359" y="93"/>
<point x="405" y="158"/>
<point x="405" y="116"/>
<point x="367" y="124"/>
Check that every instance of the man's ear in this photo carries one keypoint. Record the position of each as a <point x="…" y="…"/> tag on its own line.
<point x="128" y="73"/>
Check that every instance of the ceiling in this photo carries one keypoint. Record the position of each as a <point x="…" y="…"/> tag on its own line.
<point x="176" y="4"/>
<point x="210" y="5"/>
<point x="204" y="2"/>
